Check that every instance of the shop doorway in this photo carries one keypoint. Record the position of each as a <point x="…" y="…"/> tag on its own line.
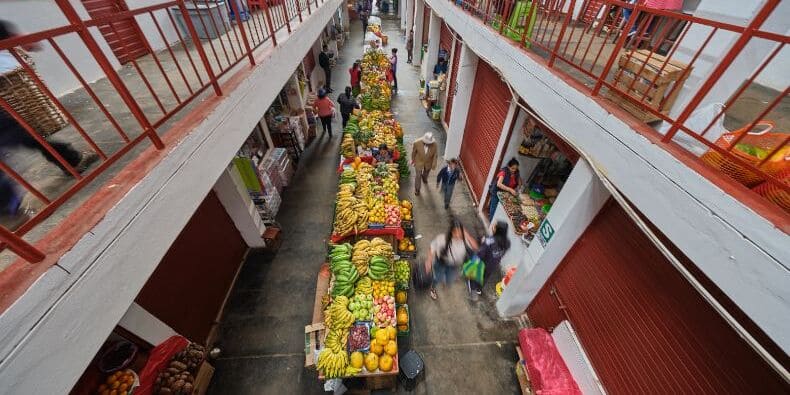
<point x="637" y="317"/>
<point x="187" y="291"/>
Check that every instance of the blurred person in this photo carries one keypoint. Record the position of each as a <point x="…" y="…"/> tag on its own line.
<point x="447" y="254"/>
<point x="492" y="249"/>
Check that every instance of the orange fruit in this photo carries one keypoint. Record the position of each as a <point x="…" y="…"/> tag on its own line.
<point x="123" y="387"/>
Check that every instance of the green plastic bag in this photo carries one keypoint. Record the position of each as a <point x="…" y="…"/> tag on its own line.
<point x="474" y="269"/>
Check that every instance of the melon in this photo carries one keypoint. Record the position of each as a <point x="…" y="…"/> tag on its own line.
<point x="392" y="348"/>
<point x="382" y="337"/>
<point x="385" y="363"/>
<point x="357" y="359"/>
<point x="392" y="333"/>
<point x="376" y="348"/>
<point x="372" y="362"/>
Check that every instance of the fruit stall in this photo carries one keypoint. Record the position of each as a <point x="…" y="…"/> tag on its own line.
<point x="361" y="308"/>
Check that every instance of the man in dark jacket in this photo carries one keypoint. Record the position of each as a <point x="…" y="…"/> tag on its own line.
<point x="323" y="61"/>
<point x="347" y="103"/>
<point x="447" y="178"/>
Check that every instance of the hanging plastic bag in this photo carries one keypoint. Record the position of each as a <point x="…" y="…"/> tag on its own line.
<point x="698" y="121"/>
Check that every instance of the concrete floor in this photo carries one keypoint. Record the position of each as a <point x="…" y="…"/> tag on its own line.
<point x="466" y="347"/>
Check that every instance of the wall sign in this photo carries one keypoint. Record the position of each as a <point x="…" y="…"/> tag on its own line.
<point x="545" y="232"/>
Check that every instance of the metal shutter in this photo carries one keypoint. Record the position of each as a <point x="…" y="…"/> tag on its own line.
<point x="643" y="326"/>
<point x="487" y="113"/>
<point x="453" y="77"/>
<point x="123" y="37"/>
<point x="445" y="38"/>
<point x="591" y="10"/>
<point x="309" y="62"/>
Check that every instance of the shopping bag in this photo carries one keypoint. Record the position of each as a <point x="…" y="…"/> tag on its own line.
<point x="421" y="278"/>
<point x="474" y="269"/>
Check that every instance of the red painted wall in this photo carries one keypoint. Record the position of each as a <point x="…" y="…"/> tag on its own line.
<point x="187" y="289"/>
<point x="644" y="328"/>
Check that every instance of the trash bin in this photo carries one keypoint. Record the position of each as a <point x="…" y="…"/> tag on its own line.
<point x="209" y="19"/>
<point x="411" y="368"/>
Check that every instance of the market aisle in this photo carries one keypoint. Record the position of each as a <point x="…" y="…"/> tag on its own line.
<point x="467" y="349"/>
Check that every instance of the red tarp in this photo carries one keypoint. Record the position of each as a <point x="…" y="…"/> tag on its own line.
<point x="547" y="371"/>
<point x="395" y="231"/>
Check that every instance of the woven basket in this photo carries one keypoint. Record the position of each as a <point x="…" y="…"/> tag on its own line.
<point x="20" y="91"/>
<point x="775" y="193"/>
<point x="764" y="140"/>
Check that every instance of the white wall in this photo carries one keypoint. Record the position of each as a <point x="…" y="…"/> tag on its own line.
<point x="148" y="26"/>
<point x="236" y="200"/>
<point x="467" y="70"/>
<point x="419" y="7"/>
<point x="743" y="253"/>
<point x="145" y="325"/>
<point x="31" y="16"/>
<point x="577" y="204"/>
<point x="409" y="24"/>
<point x="432" y="56"/>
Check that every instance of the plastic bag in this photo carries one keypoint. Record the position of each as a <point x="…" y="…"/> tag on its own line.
<point x="159" y="358"/>
<point x="697" y="122"/>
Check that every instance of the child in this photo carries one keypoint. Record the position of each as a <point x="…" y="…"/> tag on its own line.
<point x="447" y="178"/>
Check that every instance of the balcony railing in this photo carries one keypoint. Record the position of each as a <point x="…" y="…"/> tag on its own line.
<point x="641" y="59"/>
<point x="137" y="101"/>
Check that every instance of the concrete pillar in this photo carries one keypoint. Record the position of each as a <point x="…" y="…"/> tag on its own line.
<point x="236" y="200"/>
<point x="145" y="325"/>
<point x="465" y="81"/>
<point x="419" y="7"/>
<point x="579" y="201"/>
<point x="408" y="20"/>
<point x="432" y="56"/>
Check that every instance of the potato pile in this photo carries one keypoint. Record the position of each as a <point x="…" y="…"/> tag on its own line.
<point x="178" y="378"/>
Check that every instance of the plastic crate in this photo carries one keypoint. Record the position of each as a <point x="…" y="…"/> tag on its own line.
<point x="408" y="324"/>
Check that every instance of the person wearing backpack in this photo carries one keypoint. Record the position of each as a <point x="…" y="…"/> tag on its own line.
<point x="492" y="249"/>
<point x="507" y="180"/>
<point x="447" y="253"/>
<point x="348" y="103"/>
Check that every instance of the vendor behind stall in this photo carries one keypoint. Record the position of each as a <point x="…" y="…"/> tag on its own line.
<point x="383" y="155"/>
<point x="440" y="67"/>
<point x="507" y="180"/>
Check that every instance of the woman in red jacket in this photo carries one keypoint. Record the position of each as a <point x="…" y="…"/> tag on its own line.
<point x="356" y="76"/>
<point x="326" y="110"/>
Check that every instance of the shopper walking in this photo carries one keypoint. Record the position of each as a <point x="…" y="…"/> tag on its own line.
<point x="356" y="77"/>
<point x="423" y="158"/>
<point x="323" y="61"/>
<point x="507" y="180"/>
<point x="447" y="253"/>
<point x="492" y="249"/>
<point x="348" y="103"/>
<point x="394" y="66"/>
<point x="325" y="110"/>
<point x="410" y="46"/>
<point x="446" y="180"/>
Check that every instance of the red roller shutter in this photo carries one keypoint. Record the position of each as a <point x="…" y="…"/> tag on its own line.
<point x="643" y="326"/>
<point x="309" y="62"/>
<point x="487" y="113"/>
<point x="426" y="21"/>
<point x="123" y="36"/>
<point x="445" y="38"/>
<point x="453" y="77"/>
<point x="591" y="10"/>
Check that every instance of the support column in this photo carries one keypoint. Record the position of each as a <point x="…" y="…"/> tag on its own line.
<point x="408" y="21"/>
<point x="432" y="56"/>
<point x="467" y="69"/>
<point x="234" y="197"/>
<point x="419" y="7"/>
<point x="577" y="205"/>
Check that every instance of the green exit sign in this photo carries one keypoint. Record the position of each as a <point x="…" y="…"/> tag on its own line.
<point x="545" y="232"/>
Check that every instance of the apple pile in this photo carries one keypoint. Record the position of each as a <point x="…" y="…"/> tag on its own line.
<point x="392" y="215"/>
<point x="384" y="311"/>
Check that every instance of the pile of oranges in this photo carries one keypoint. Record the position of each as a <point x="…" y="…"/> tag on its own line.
<point x="118" y="383"/>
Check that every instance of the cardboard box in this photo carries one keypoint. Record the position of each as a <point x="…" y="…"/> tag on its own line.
<point x="314" y="335"/>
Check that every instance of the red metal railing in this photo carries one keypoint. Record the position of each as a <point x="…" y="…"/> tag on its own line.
<point x="150" y="91"/>
<point x="596" y="51"/>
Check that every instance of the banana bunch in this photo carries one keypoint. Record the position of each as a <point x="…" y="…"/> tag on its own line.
<point x="364" y="286"/>
<point x="380" y="268"/>
<point x="337" y="315"/>
<point x="333" y="359"/>
<point x="351" y="214"/>
<point x="345" y="272"/>
<point x="360" y="257"/>
<point x="379" y="247"/>
<point x="347" y="147"/>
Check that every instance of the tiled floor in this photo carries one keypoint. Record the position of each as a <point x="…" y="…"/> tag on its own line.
<point x="466" y="347"/>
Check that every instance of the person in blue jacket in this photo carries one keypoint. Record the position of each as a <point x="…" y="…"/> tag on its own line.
<point x="447" y="178"/>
